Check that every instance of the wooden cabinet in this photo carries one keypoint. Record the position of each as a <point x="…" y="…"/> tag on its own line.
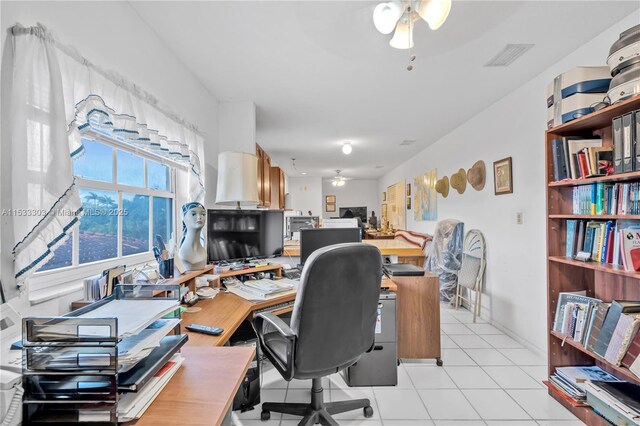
<point x="264" y="177"/>
<point x="277" y="188"/>
<point x="564" y="274"/>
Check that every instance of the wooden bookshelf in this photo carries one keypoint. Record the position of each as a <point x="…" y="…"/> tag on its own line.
<point x="595" y="216"/>
<point x="602" y="281"/>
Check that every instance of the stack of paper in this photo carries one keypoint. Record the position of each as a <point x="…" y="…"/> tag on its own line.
<point x="133" y="315"/>
<point x="132" y="405"/>
<point x="571" y="380"/>
<point x="135" y="348"/>
<point x="264" y="288"/>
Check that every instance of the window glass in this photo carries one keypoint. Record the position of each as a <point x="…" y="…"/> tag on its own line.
<point x="135" y="224"/>
<point x="158" y="176"/>
<point x="130" y="169"/>
<point x="62" y="256"/>
<point x="98" y="225"/>
<point x="162" y="217"/>
<point x="96" y="163"/>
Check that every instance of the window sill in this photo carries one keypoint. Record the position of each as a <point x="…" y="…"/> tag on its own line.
<point x="47" y="294"/>
<point x="49" y="285"/>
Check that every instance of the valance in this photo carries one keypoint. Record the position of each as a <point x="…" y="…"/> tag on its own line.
<point x="54" y="96"/>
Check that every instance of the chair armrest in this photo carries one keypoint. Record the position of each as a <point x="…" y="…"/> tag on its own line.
<point x="285" y="367"/>
<point x="281" y="327"/>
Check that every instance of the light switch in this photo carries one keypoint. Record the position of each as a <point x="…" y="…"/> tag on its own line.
<point x="519" y="219"/>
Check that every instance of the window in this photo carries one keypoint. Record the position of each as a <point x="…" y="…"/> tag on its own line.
<point x="127" y="199"/>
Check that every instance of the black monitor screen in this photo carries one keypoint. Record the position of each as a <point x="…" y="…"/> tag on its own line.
<point x="349" y="212"/>
<point x="314" y="239"/>
<point x="243" y="234"/>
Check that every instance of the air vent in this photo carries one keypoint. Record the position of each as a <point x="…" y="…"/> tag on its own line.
<point x="407" y="142"/>
<point x="508" y="55"/>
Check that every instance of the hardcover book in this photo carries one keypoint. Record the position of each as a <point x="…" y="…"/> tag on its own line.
<point x="626" y="328"/>
<point x="617" y="308"/>
<point x="632" y="352"/>
<point x="598" y="321"/>
<point x="630" y="248"/>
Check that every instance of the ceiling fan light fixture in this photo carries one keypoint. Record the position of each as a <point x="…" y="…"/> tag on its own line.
<point x="403" y="36"/>
<point x="386" y="15"/>
<point x="435" y="12"/>
<point x="347" y="148"/>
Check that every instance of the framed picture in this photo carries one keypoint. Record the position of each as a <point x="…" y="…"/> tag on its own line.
<point x="330" y="199"/>
<point x="408" y="190"/>
<point x="408" y="203"/>
<point x="384" y="196"/>
<point x="503" y="176"/>
<point x="330" y="208"/>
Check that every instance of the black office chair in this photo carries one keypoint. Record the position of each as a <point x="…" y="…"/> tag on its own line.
<point x="332" y="325"/>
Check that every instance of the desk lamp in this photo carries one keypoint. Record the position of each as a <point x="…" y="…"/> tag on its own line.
<point x="237" y="179"/>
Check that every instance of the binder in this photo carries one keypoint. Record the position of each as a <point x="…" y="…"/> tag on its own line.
<point x="627" y="143"/>
<point x="559" y="165"/>
<point x="617" y="144"/>
<point x="636" y="134"/>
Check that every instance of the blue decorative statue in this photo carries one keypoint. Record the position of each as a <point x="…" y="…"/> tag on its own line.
<point x="191" y="252"/>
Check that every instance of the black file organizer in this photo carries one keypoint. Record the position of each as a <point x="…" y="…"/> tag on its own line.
<point x="70" y="364"/>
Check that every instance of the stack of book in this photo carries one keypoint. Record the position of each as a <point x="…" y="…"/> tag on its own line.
<point x="615" y="243"/>
<point x="609" y="330"/>
<point x="607" y="199"/>
<point x="575" y="158"/>
<point x="264" y="288"/>
<point x="570" y="380"/>
<point x="618" y="402"/>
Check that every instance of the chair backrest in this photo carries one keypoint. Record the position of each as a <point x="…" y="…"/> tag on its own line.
<point x="335" y="311"/>
<point x="473" y="260"/>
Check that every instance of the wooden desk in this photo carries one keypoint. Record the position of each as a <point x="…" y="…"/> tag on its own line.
<point x="406" y="252"/>
<point x="226" y="311"/>
<point x="189" y="277"/>
<point x="202" y="390"/>
<point x="377" y="235"/>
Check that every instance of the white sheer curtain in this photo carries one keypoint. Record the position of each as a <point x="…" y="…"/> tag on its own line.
<point x="55" y="96"/>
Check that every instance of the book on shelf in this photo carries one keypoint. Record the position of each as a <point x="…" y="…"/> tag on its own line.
<point x="573" y="315"/>
<point x="632" y="352"/>
<point x="617" y="402"/>
<point x="625" y="330"/>
<point x="630" y="248"/>
<point x="596" y="325"/>
<point x="602" y="198"/>
<point x="570" y="380"/>
<point x="617" y="308"/>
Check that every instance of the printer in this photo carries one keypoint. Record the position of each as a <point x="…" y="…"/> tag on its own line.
<point x="11" y="368"/>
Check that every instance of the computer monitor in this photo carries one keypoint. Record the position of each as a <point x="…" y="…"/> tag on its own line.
<point x="243" y="234"/>
<point x="314" y="239"/>
<point x="348" y="212"/>
<point x="296" y="223"/>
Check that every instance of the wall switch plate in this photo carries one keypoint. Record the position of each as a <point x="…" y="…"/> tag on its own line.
<point x="519" y="219"/>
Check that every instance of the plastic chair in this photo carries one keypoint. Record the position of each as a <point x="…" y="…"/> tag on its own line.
<point x="471" y="275"/>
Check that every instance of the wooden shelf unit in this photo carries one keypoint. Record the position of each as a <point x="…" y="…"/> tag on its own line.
<point x="602" y="281"/>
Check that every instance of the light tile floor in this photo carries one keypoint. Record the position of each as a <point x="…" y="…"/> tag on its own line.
<point x="487" y="379"/>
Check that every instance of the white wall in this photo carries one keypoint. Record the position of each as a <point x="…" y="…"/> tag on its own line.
<point x="306" y="194"/>
<point x="113" y="36"/>
<point x="354" y="193"/>
<point x="237" y="129"/>
<point x="515" y="294"/>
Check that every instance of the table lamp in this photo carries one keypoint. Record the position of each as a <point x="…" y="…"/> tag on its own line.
<point x="237" y="179"/>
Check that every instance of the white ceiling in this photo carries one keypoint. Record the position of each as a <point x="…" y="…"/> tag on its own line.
<point x="319" y="72"/>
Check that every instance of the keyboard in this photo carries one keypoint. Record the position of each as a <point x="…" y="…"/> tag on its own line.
<point x="273" y="308"/>
<point x="292" y="274"/>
